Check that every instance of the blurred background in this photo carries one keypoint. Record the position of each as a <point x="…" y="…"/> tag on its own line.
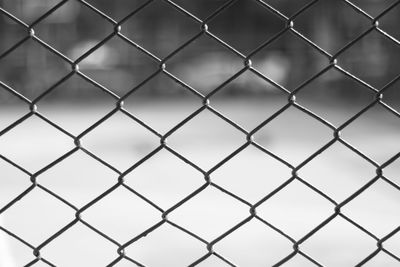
<point x="73" y="29"/>
<point x="161" y="103"/>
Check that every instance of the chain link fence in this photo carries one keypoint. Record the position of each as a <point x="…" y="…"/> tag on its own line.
<point x="272" y="84"/>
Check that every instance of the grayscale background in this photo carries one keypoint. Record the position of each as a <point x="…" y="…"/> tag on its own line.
<point x="246" y="170"/>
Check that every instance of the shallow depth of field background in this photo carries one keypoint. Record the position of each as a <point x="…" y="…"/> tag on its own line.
<point x="205" y="140"/>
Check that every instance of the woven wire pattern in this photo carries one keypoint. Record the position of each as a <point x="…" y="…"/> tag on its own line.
<point x="207" y="99"/>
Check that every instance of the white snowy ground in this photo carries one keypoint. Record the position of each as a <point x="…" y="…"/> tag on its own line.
<point x="165" y="180"/>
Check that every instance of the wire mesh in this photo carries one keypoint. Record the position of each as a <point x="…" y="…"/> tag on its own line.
<point x="248" y="135"/>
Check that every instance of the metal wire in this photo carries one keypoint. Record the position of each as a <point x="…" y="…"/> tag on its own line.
<point x="207" y="100"/>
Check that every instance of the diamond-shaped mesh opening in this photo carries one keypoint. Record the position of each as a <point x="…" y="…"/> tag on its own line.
<point x="117" y="64"/>
<point x="281" y="56"/>
<point x="376" y="209"/>
<point x="68" y="113"/>
<point x="199" y="133"/>
<point x="274" y="64"/>
<point x="120" y="141"/>
<point x="285" y="7"/>
<point x="79" y="178"/>
<point x="165" y="179"/>
<point x="31" y="69"/>
<point x="339" y="243"/>
<point x="11" y="34"/>
<point x="338" y="172"/>
<point x="203" y="144"/>
<point x="348" y="24"/>
<point x="168" y="29"/>
<point x="24" y="215"/>
<point x="205" y="64"/>
<point x="52" y="29"/>
<point x="29" y="11"/>
<point x="201" y="10"/>
<point x="195" y="214"/>
<point x="229" y="18"/>
<point x="125" y="208"/>
<point x="241" y="247"/>
<point x="78" y="240"/>
<point x="324" y="96"/>
<point x="137" y="103"/>
<point x="264" y="103"/>
<point x="28" y="150"/>
<point x="371" y="51"/>
<point x="174" y="247"/>
<point x="251" y="174"/>
<point x="307" y="209"/>
<point x="113" y="10"/>
<point x="374" y="133"/>
<point x="293" y="135"/>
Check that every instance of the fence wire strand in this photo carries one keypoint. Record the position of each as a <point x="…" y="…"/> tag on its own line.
<point x="34" y="106"/>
